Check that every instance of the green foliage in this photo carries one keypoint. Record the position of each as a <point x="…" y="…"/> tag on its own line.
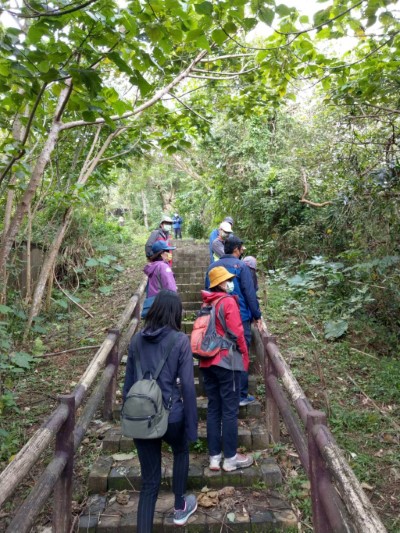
<point x="196" y="229"/>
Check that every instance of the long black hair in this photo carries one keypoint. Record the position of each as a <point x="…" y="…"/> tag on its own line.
<point x="165" y="311"/>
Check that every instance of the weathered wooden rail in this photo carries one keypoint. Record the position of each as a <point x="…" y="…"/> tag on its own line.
<point x="339" y="503"/>
<point x="67" y="432"/>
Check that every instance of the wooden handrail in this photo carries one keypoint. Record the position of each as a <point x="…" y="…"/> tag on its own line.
<point x="17" y="470"/>
<point x="321" y="444"/>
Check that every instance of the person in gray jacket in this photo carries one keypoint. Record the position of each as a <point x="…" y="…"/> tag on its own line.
<point x="159" y="234"/>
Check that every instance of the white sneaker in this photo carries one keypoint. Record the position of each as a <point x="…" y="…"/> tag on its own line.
<point x="238" y="461"/>
<point x="215" y="461"/>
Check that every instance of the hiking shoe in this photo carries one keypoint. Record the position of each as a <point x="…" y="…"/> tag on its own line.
<point x="238" y="461"/>
<point x="247" y="401"/>
<point x="181" y="516"/>
<point x="215" y="461"/>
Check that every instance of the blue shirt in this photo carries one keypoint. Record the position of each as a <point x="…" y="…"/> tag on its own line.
<point x="213" y="235"/>
<point x="243" y="286"/>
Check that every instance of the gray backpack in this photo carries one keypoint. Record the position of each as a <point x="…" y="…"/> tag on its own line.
<point x="144" y="415"/>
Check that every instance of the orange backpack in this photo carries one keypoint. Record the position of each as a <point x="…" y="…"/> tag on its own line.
<point x="204" y="340"/>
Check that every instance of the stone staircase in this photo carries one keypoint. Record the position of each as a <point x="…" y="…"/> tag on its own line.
<point x="244" y="500"/>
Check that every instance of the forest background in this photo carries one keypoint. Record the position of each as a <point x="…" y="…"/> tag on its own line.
<point x="286" y="121"/>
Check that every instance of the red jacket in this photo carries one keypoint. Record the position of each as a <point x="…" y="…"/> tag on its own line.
<point x="230" y="308"/>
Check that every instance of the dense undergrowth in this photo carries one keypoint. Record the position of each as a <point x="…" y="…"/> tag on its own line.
<point x="355" y="382"/>
<point x="97" y="258"/>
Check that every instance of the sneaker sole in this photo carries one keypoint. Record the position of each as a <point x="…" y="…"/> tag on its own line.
<point x="238" y="467"/>
<point x="215" y="468"/>
<point x="182" y="522"/>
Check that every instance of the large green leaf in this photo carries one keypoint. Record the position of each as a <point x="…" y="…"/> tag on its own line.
<point x="333" y="329"/>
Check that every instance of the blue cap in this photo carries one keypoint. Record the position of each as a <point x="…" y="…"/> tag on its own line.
<point x="161" y="246"/>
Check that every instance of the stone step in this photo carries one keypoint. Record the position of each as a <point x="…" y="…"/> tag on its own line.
<point x="197" y="287"/>
<point x="192" y="262"/>
<point x="253" y="410"/>
<point x="192" y="306"/>
<point x="187" y="325"/>
<point x="252" y="435"/>
<point x="257" y="510"/>
<point x="189" y="277"/>
<point x="190" y="295"/>
<point x="189" y="270"/>
<point x="108" y="473"/>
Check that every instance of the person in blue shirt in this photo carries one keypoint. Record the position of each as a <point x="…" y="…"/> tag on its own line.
<point x="248" y="302"/>
<point x="177" y="222"/>
<point x="214" y="234"/>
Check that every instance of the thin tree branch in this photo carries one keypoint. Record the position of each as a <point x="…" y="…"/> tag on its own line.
<point x="53" y="13"/>
<point x="326" y="23"/>
<point x="158" y="95"/>
<point x="306" y="190"/>
<point x="26" y="133"/>
<point x="72" y="299"/>
<point x="211" y="77"/>
<point x="230" y="74"/>
<point x="191" y="91"/>
<point x="120" y="154"/>
<point x="228" y="56"/>
<point x="189" y="108"/>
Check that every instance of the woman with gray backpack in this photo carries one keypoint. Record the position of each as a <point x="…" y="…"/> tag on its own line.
<point x="159" y="407"/>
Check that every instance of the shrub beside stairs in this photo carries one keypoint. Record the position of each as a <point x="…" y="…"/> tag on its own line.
<point x="244" y="500"/>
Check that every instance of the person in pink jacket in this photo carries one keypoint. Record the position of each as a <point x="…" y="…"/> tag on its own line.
<point x="158" y="270"/>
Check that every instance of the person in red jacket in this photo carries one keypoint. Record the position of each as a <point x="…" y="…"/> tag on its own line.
<point x="221" y="374"/>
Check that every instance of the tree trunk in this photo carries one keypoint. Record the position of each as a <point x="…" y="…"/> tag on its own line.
<point x="28" y="284"/>
<point x="51" y="256"/>
<point x="36" y="177"/>
<point x="145" y="214"/>
<point x="7" y="220"/>
<point x="47" y="269"/>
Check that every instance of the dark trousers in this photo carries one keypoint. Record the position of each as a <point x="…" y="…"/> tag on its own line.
<point x="178" y="233"/>
<point x="244" y="376"/>
<point x="149" y="452"/>
<point x="222" y="389"/>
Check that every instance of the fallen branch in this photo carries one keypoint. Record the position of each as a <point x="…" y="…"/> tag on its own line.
<point x="365" y="353"/>
<point x="51" y="354"/>
<point x="72" y="300"/>
<point x="383" y="413"/>
<point x="306" y="191"/>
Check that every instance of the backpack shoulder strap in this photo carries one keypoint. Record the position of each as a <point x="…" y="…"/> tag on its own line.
<point x="221" y="314"/>
<point x="166" y="354"/>
<point x="136" y="357"/>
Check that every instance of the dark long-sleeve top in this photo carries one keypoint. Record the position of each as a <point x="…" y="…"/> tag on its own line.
<point x="178" y="365"/>
<point x="243" y="285"/>
<point x="156" y="235"/>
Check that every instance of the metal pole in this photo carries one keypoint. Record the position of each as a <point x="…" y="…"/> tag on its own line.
<point x="109" y="396"/>
<point x="63" y="487"/>
<point x="318" y="474"/>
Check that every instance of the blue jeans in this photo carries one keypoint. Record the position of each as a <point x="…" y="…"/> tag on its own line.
<point x="149" y="452"/>
<point x="222" y="389"/>
<point x="244" y="376"/>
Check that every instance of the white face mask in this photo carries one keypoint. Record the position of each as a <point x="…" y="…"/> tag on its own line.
<point x="167" y="227"/>
<point x="229" y="287"/>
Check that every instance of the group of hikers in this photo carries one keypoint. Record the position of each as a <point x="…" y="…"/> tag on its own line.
<point x="163" y="353"/>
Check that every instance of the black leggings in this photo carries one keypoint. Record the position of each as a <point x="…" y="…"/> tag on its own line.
<point x="149" y="451"/>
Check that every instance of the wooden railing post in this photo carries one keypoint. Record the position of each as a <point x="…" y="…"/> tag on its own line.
<point x="109" y="396"/>
<point x="63" y="488"/>
<point x="318" y="474"/>
<point x="271" y="408"/>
